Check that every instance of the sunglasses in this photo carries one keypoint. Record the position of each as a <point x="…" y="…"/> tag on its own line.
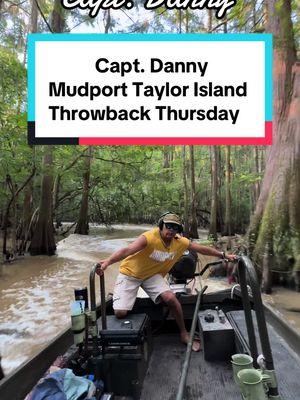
<point x="173" y="227"/>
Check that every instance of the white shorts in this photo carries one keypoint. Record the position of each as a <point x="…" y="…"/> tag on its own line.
<point x="126" y="288"/>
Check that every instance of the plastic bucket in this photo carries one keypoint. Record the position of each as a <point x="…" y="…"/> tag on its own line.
<point x="251" y="384"/>
<point x="240" y="362"/>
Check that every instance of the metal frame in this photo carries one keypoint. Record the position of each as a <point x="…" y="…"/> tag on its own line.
<point x="93" y="318"/>
<point x="245" y="266"/>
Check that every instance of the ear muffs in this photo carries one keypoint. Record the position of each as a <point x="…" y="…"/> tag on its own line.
<point x="160" y="222"/>
<point x="180" y="230"/>
<point x="160" y="225"/>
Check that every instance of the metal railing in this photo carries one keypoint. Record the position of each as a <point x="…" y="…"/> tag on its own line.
<point x="187" y="359"/>
<point x="246" y="268"/>
<point x="94" y="329"/>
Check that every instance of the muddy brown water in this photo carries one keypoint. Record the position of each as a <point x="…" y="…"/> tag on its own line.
<point x="36" y="292"/>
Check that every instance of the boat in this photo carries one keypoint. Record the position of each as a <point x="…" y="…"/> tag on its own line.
<point x="248" y="352"/>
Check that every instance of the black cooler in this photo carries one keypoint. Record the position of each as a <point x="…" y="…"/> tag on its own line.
<point x="126" y="349"/>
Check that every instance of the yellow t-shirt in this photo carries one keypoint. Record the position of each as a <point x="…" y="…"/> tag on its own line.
<point x="155" y="258"/>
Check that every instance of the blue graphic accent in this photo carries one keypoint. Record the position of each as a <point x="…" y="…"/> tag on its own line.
<point x="32" y="39"/>
<point x="268" y="77"/>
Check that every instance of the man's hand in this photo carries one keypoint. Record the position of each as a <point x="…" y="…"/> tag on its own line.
<point x="102" y="265"/>
<point x="230" y="257"/>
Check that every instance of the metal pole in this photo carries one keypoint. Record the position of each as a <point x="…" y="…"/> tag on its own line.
<point x="260" y="316"/>
<point x="261" y="321"/>
<point x="186" y="363"/>
<point x="247" y="311"/>
<point x="93" y="317"/>
<point x="102" y="299"/>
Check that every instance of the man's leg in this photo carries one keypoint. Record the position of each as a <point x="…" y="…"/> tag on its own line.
<point x="125" y="292"/>
<point x="157" y="288"/>
<point x="120" y="313"/>
<point x="172" y="302"/>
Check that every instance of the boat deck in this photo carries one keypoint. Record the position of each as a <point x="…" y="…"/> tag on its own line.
<point x="206" y="380"/>
<point x="213" y="380"/>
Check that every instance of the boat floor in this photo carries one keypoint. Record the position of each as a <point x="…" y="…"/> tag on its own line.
<point x="206" y="380"/>
<point x="213" y="380"/>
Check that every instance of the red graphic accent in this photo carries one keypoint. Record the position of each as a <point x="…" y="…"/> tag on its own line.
<point x="150" y="141"/>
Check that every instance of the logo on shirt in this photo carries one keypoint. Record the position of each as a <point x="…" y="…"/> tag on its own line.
<point x="162" y="256"/>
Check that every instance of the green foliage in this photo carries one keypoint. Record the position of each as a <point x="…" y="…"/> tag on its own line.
<point x="132" y="184"/>
<point x="129" y="183"/>
<point x="15" y="158"/>
<point x="12" y="81"/>
<point x="296" y="25"/>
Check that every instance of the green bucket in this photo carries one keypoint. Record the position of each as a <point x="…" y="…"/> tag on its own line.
<point x="251" y="384"/>
<point x="240" y="362"/>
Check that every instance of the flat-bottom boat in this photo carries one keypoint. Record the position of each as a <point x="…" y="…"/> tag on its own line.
<point x="247" y="351"/>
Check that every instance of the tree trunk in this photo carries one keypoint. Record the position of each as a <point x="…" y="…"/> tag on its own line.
<point x="82" y="226"/>
<point x="187" y="20"/>
<point x="33" y="17"/>
<point x="9" y="225"/>
<point x="43" y="241"/>
<point x="26" y="217"/>
<point x="274" y="232"/>
<point x="58" y="17"/>
<point x="28" y="195"/>
<point x="14" y="226"/>
<point x="214" y="193"/>
<point x="193" y="232"/>
<point x="256" y="171"/>
<point x="227" y="226"/>
<point x="43" y="237"/>
<point x="15" y="191"/>
<point x="166" y="155"/>
<point x="220" y="219"/>
<point x="56" y="189"/>
<point x="185" y="194"/>
<point x="210" y="20"/>
<point x="107" y="21"/>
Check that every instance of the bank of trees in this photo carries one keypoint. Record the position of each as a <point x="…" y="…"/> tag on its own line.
<point x="224" y="189"/>
<point x="118" y="184"/>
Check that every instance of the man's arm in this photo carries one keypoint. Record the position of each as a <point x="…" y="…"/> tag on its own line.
<point x="210" y="251"/>
<point x="139" y="244"/>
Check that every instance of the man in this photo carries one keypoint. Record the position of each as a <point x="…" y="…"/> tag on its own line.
<point x="145" y="263"/>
